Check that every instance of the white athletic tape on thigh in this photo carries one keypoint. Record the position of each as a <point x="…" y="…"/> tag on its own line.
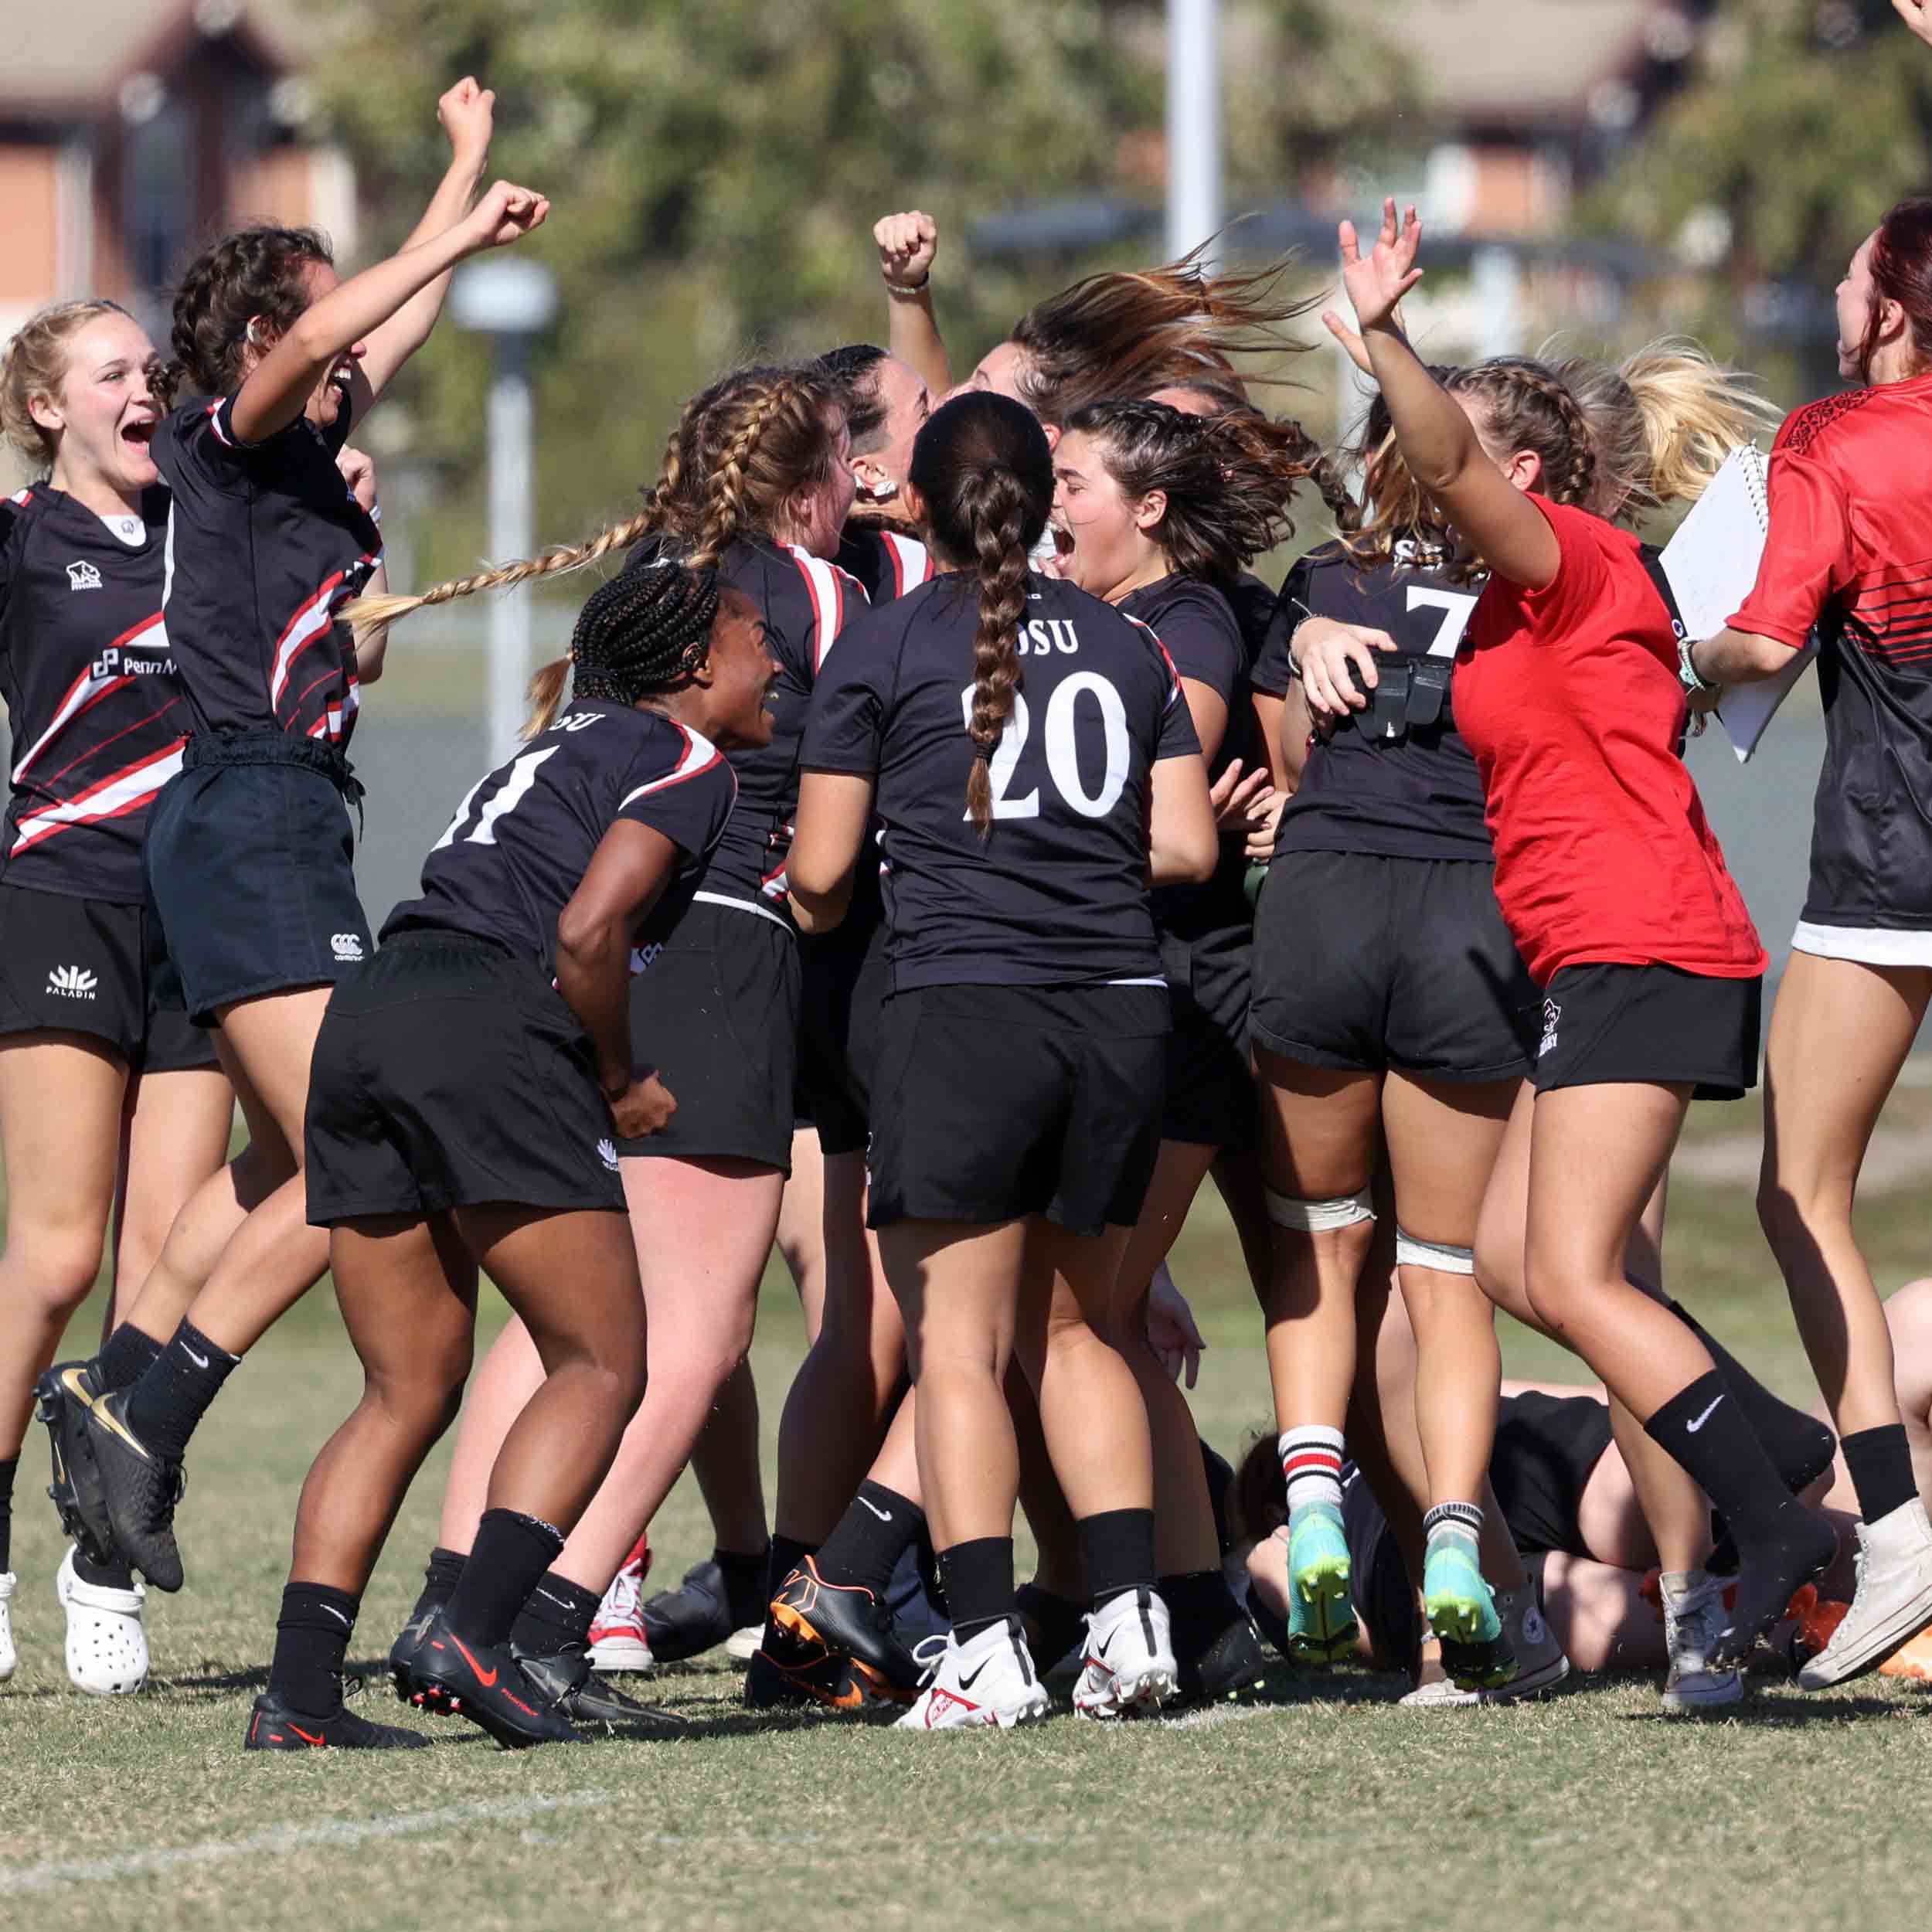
<point x="1412" y="1253"/>
<point x="1318" y="1217"/>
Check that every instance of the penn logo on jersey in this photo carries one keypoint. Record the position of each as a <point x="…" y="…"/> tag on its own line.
<point x="71" y="982"/>
<point x="346" y="945"/>
<point x="115" y="662"/>
<point x="82" y="577"/>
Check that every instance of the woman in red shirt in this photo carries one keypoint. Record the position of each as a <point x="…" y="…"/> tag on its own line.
<point x="1615" y="891"/>
<point x="1849" y="557"/>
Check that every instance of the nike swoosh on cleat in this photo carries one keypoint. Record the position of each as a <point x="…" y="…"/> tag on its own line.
<point x="112" y="1424"/>
<point x="486" y="1679"/>
<point x="1690" y="1428"/>
<point x="967" y="1683"/>
<point x="305" y="1736"/>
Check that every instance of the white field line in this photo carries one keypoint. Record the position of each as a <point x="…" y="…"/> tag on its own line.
<point x="292" y="1838"/>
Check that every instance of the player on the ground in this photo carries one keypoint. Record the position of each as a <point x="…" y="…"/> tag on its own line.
<point x="499" y="998"/>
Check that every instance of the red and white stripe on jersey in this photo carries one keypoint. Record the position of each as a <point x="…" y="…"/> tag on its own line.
<point x="1174" y="692"/>
<point x="88" y="689"/>
<point x="127" y="790"/>
<point x="315" y="618"/>
<point x="214" y="423"/>
<point x="699" y="755"/>
<point x="912" y="562"/>
<point x="832" y="592"/>
<point x="23" y="498"/>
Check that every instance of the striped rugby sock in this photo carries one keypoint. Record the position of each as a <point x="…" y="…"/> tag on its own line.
<point x="1311" y="1466"/>
<point x="1456" y="1522"/>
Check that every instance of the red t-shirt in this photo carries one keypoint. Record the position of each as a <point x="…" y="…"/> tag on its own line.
<point x="1569" y="698"/>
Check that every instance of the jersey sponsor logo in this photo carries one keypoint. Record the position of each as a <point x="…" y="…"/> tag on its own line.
<point x="345" y="945"/>
<point x="82" y="577"/>
<point x="1552" y="1012"/>
<point x="115" y="662"/>
<point x="72" y="982"/>
<point x="608" y="1153"/>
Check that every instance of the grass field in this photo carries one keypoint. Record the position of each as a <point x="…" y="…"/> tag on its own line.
<point x="1328" y="1807"/>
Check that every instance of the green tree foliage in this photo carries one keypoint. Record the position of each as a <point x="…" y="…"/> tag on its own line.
<point x="715" y="171"/>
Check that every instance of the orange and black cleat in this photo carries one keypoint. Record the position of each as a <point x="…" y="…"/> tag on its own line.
<point x="274" y="1727"/>
<point x="845" y="1621"/>
<point x="485" y="1684"/>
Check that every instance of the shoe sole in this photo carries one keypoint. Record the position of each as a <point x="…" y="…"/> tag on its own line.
<point x="1141" y="1697"/>
<point x="1323" y="1589"/>
<point x="616" y="1655"/>
<point x="432" y="1695"/>
<point x="1678" y="1705"/>
<point x="1528" y="1684"/>
<point x="50" y="1400"/>
<point x="1898" y="1629"/>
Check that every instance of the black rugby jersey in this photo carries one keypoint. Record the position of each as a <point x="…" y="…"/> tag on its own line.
<point x="1201" y="632"/>
<point x="522" y="838"/>
<point x="804" y="601"/>
<point x="95" y="710"/>
<point x="888" y="563"/>
<point x="1058" y="894"/>
<point x="1255" y="607"/>
<point x="266" y="543"/>
<point x="1416" y="794"/>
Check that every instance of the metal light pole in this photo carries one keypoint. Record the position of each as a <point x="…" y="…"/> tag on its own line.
<point x="509" y="300"/>
<point x="1194" y="203"/>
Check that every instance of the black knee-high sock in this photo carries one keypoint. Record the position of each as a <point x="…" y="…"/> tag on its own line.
<point x="312" y="1639"/>
<point x="114" y="1575"/>
<point x="8" y="1469"/>
<point x="978" y="1576"/>
<point x="512" y="1551"/>
<point x="165" y="1406"/>
<point x="125" y="1357"/>
<point x="879" y="1525"/>
<point x="556" y="1617"/>
<point x="1704" y="1426"/>
<point x="1799" y="1445"/>
<point x="1880" y="1461"/>
<point x="440" y="1578"/>
<point x="744" y="1572"/>
<point x="1116" y="1550"/>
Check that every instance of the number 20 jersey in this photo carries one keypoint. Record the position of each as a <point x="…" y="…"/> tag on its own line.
<point x="522" y="838"/>
<point x="1415" y="796"/>
<point x="1057" y="894"/>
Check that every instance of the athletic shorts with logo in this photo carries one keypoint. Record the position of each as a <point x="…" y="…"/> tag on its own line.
<point x="250" y="869"/>
<point x="1367" y="962"/>
<point x="1612" y="1024"/>
<point x="715" y="1010"/>
<point x="92" y="966"/>
<point x="449" y="1074"/>
<point x="995" y="1102"/>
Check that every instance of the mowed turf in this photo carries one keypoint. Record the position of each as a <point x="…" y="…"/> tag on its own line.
<point x="1327" y="1808"/>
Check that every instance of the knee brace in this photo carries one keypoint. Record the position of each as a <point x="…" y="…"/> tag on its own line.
<point x="1318" y="1217"/>
<point x="1410" y="1253"/>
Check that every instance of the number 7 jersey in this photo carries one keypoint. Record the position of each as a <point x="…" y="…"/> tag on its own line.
<point x="1057" y="893"/>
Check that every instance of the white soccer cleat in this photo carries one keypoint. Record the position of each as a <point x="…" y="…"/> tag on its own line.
<point x="1127" y="1664"/>
<point x="987" y="1681"/>
<point x="9" y="1657"/>
<point x="618" y="1638"/>
<point x="107" y="1641"/>
<point x="1893" y="1602"/>
<point x="1693" y="1619"/>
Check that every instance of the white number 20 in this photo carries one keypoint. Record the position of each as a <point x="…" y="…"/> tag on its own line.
<point x="1063" y="755"/>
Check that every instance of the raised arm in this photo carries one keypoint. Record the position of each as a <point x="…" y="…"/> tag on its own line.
<point x="907" y="246"/>
<point x="1439" y="443"/>
<point x="277" y="388"/>
<point x="468" y="112"/>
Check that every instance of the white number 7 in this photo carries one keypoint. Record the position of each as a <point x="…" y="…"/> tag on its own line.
<point x="1455" y="606"/>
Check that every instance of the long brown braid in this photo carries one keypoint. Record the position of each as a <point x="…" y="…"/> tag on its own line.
<point x="739" y="451"/>
<point x="986" y="471"/>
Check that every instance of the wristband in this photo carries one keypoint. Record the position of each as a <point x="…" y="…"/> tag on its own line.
<point x="896" y="290"/>
<point x="1688" y="674"/>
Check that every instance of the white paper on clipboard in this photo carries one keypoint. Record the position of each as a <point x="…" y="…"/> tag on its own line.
<point x="1711" y="563"/>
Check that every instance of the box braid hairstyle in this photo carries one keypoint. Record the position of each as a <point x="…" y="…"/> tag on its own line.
<point x="254" y="273"/>
<point x="1129" y="332"/>
<point x="647" y="631"/>
<point x="1229" y="479"/>
<point x="984" y="468"/>
<point x="740" y="451"/>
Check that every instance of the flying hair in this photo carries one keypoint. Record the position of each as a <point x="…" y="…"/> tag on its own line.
<point x="739" y="452"/>
<point x="1129" y="332"/>
<point x="983" y="468"/>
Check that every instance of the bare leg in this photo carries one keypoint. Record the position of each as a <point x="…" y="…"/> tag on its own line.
<point x="725" y="1461"/>
<point x="176" y="1130"/>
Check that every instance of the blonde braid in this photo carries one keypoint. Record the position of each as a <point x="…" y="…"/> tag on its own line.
<point x="724" y="510"/>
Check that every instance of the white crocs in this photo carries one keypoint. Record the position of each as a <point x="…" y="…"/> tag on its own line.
<point x="9" y="1657"/>
<point x="107" y="1641"/>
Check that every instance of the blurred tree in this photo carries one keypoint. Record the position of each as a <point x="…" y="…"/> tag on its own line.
<point x="1803" y="121"/>
<point x="716" y="171"/>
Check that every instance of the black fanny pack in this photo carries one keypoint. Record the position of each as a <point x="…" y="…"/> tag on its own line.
<point x="1411" y="692"/>
<point x="266" y="746"/>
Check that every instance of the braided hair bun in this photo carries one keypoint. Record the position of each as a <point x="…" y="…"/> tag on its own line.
<point x="645" y="632"/>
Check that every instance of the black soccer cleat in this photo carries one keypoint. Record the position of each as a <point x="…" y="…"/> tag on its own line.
<point x="1769" y="1576"/>
<point x="485" y="1684"/>
<point x="140" y="1490"/>
<point x="567" y="1681"/>
<point x="847" y="1621"/>
<point x="63" y="1396"/>
<point x="694" y="1617"/>
<point x="1229" y="1662"/>
<point x="404" y="1655"/>
<point x="273" y="1726"/>
<point x="772" y="1684"/>
<point x="1478" y="1664"/>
